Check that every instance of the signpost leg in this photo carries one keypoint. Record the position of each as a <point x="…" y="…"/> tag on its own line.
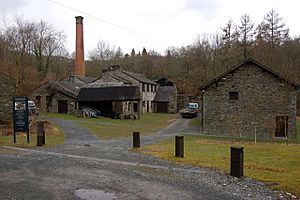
<point x="14" y="137"/>
<point x="27" y="136"/>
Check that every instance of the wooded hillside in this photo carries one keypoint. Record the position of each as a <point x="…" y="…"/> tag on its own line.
<point x="33" y="52"/>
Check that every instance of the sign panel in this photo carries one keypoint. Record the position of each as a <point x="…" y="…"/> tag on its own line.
<point x="20" y="114"/>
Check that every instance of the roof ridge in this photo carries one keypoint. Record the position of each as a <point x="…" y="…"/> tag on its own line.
<point x="247" y="60"/>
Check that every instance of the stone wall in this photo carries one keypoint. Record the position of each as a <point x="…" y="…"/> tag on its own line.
<point x="147" y="96"/>
<point x="57" y="96"/>
<point x="172" y="105"/>
<point x="8" y="90"/>
<point x="261" y="97"/>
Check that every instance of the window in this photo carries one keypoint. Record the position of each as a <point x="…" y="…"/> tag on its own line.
<point x="233" y="95"/>
<point x="148" y="88"/>
<point x="144" y="87"/>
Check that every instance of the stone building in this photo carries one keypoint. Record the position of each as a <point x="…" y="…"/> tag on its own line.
<point x="8" y="90"/>
<point x="119" y="101"/>
<point x="248" y="100"/>
<point x="59" y="96"/>
<point x="165" y="100"/>
<point x="115" y="76"/>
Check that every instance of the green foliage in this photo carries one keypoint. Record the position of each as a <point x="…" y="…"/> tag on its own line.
<point x="277" y="164"/>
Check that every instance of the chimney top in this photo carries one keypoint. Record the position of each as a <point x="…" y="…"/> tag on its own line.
<point x="79" y="19"/>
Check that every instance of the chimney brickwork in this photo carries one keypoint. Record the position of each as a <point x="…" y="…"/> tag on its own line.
<point x="79" y="59"/>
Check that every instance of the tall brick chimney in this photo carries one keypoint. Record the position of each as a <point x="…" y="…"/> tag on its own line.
<point x="79" y="59"/>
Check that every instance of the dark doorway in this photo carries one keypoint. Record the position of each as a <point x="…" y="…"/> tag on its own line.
<point x="281" y="126"/>
<point x="148" y="106"/>
<point x="135" y="107"/>
<point x="162" y="107"/>
<point x="62" y="107"/>
<point x="105" y="107"/>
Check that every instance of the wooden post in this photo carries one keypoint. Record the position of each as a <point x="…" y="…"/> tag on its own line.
<point x="40" y="133"/>
<point x="179" y="146"/>
<point x="237" y="161"/>
<point x="136" y="139"/>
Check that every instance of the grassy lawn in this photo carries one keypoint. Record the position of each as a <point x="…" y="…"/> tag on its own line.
<point x="106" y="128"/>
<point x="54" y="136"/>
<point x="276" y="164"/>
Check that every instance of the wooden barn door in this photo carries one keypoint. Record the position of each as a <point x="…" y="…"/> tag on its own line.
<point x="162" y="107"/>
<point x="62" y="107"/>
<point x="281" y="126"/>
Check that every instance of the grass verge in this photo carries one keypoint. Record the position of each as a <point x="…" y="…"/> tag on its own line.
<point x="54" y="136"/>
<point x="276" y="164"/>
<point x="106" y="128"/>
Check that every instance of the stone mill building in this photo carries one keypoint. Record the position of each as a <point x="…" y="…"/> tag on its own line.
<point x="250" y="100"/>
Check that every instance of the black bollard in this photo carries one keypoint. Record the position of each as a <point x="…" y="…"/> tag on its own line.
<point x="136" y="139"/>
<point x="179" y="146"/>
<point x="237" y="161"/>
<point x="40" y="133"/>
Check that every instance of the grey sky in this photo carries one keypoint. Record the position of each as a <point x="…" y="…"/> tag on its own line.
<point x="8" y="6"/>
<point x="204" y="8"/>
<point x="159" y="23"/>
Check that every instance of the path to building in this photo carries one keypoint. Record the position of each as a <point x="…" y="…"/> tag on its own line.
<point x="87" y="168"/>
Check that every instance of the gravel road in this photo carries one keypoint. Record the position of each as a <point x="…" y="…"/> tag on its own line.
<point x="87" y="168"/>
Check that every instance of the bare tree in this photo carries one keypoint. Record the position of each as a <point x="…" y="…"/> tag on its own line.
<point x="246" y="33"/>
<point x="47" y="42"/>
<point x="274" y="30"/>
<point x="17" y="38"/>
<point x="104" y="51"/>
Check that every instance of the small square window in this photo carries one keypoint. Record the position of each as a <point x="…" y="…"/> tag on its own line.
<point x="233" y="96"/>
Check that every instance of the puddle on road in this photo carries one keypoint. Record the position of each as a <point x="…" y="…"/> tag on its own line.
<point x="92" y="194"/>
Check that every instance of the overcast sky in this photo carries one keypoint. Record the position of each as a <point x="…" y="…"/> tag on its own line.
<point x="153" y="24"/>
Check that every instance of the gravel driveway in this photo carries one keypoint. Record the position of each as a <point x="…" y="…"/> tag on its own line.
<point x="87" y="168"/>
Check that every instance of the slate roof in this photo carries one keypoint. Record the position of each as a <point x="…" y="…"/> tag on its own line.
<point x="139" y="77"/>
<point x="249" y="61"/>
<point x="122" y="93"/>
<point x="67" y="88"/>
<point x="86" y="79"/>
<point x="163" y="93"/>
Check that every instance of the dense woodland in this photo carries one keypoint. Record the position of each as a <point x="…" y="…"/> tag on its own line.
<point x="34" y="52"/>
